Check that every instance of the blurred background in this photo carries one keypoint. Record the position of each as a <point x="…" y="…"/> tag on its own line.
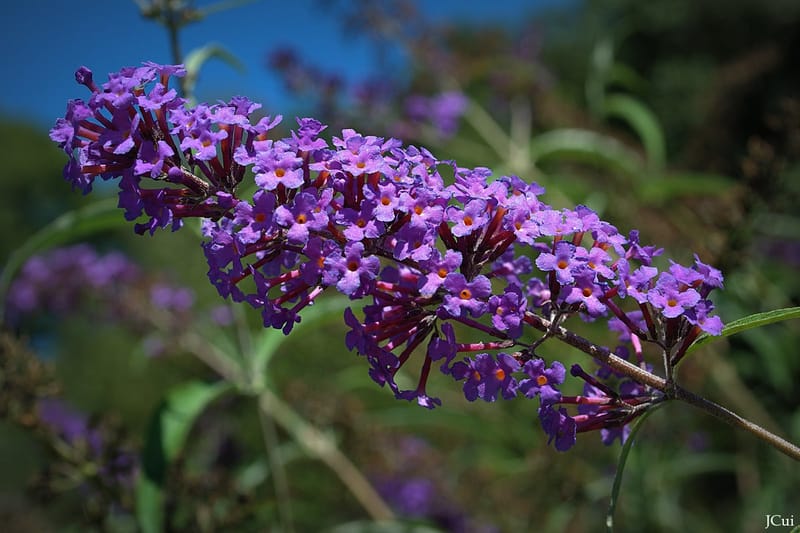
<point x="677" y="118"/>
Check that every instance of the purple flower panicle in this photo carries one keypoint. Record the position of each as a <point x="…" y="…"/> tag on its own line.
<point x="376" y="220"/>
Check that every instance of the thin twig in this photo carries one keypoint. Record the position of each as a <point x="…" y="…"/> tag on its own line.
<point x="280" y="480"/>
<point x="321" y="447"/>
<point x="604" y="355"/>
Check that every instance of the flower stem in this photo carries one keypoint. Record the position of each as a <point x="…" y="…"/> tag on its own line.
<point x="604" y="355"/>
<point x="320" y="446"/>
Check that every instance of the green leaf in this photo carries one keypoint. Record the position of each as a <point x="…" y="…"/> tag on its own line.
<point x="269" y="340"/>
<point x="68" y="227"/>
<point x="149" y="511"/>
<point x="623" y="458"/>
<point x="166" y="436"/>
<point x="197" y="58"/>
<point x="643" y="121"/>
<point x="749" y="322"/>
<point x="587" y="146"/>
<point x="683" y="184"/>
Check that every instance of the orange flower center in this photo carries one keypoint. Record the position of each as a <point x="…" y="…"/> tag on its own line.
<point x="465" y="294"/>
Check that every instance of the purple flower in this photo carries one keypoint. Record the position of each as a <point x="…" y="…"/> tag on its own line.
<point x="643" y="254"/>
<point x="70" y="424"/>
<point x="586" y="292"/>
<point x="563" y="262"/>
<point x="446" y="109"/>
<point x="413" y="242"/>
<point x="712" y="278"/>
<point x="542" y="381"/>
<point x="151" y="159"/>
<point x="557" y="223"/>
<point x="698" y="315"/>
<point x="443" y="347"/>
<point x="358" y="154"/>
<point x="305" y="138"/>
<point x="307" y="213"/>
<point x="374" y="218"/>
<point x="439" y="268"/>
<point x="686" y="277"/>
<point x="636" y="284"/>
<point x="278" y="165"/>
<point x="465" y="296"/>
<point x="172" y="299"/>
<point x="386" y="200"/>
<point x="508" y="311"/>
<point x="471" y="218"/>
<point x="423" y="206"/>
<point x="667" y="296"/>
<point x="486" y="377"/>
<point x="355" y="271"/>
<point x="443" y="110"/>
<point x="558" y="425"/>
<point x="256" y="219"/>
<point x="598" y="260"/>
<point x="360" y="224"/>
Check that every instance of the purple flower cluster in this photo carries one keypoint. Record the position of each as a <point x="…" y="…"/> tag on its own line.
<point x="437" y="114"/>
<point x="443" y="111"/>
<point x="61" y="280"/>
<point x="116" y="465"/>
<point x="56" y="281"/>
<point x="375" y="219"/>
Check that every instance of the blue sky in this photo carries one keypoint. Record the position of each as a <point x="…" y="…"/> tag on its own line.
<point x="44" y="41"/>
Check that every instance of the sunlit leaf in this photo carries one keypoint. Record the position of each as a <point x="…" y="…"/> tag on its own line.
<point x="749" y="322"/>
<point x="269" y="339"/>
<point x="623" y="458"/>
<point x="643" y="121"/>
<point x="198" y="57"/>
<point x="166" y="437"/>
<point x="587" y="146"/>
<point x="683" y="184"/>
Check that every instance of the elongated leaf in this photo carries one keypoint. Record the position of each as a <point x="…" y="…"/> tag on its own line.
<point x="68" y="227"/>
<point x="169" y="427"/>
<point x="623" y="458"/>
<point x="749" y="322"/>
<point x="643" y="121"/>
<point x="198" y="57"/>
<point x="149" y="498"/>
<point x="270" y="339"/>
<point x="587" y="146"/>
<point x="683" y="184"/>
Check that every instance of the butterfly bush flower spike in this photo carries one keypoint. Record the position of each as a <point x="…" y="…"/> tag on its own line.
<point x="434" y="262"/>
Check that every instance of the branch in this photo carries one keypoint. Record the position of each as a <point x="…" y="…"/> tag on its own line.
<point x="322" y="447"/>
<point x="604" y="355"/>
